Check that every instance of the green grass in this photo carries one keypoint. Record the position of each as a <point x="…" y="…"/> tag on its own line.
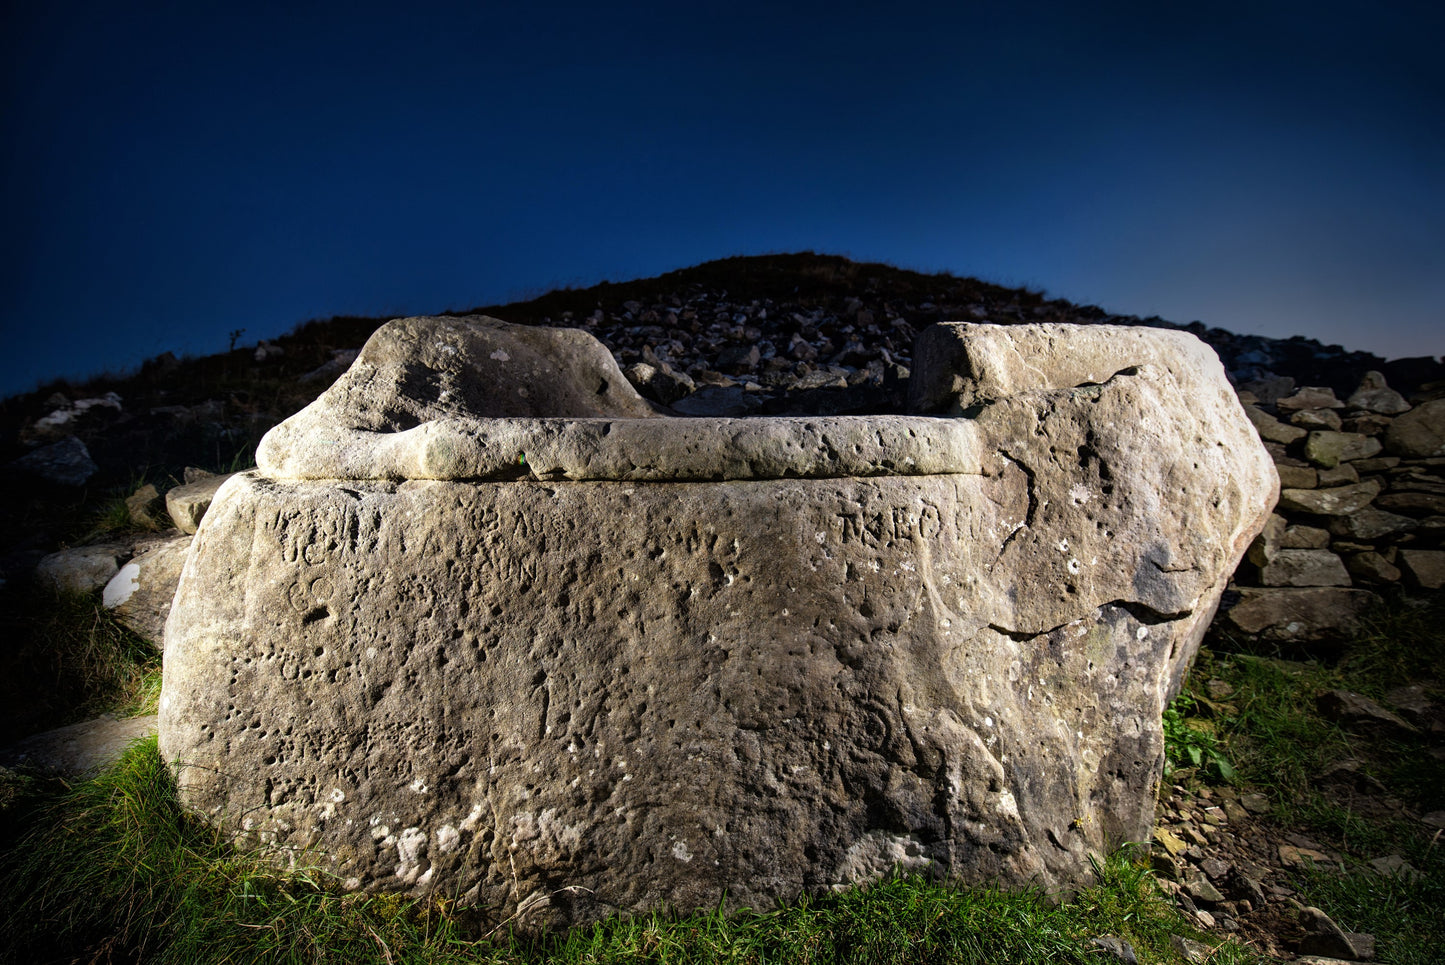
<point x="66" y="659"/>
<point x="1405" y="914"/>
<point x="113" y="869"/>
<point x="1270" y="729"/>
<point x="1276" y="737"/>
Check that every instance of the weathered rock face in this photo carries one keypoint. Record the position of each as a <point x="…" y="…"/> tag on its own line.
<point x="78" y="750"/>
<point x="1419" y="433"/>
<point x="414" y="372"/>
<point x="572" y="666"/>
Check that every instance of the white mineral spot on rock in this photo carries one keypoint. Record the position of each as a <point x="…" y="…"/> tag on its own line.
<point x="448" y="839"/>
<point x="337" y="795"/>
<point x="409" y="849"/>
<point x="1074" y="566"/>
<point x="680" y="852"/>
<point x="1141" y="633"/>
<point x="501" y="356"/>
<point x="418" y="785"/>
<point x="121" y="586"/>
<point x="1062" y="546"/>
<point x="1007" y="805"/>
<point x="1079" y="495"/>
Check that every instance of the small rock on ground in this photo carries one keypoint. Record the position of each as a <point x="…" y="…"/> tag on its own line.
<point x="80" y="750"/>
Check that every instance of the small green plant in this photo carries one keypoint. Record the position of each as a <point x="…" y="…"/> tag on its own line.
<point x="112" y="517"/>
<point x="1192" y="742"/>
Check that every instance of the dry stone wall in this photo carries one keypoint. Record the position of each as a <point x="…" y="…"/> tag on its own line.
<point x="1362" y="508"/>
<point x="573" y="657"/>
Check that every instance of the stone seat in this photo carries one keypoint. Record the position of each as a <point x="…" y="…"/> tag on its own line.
<point x="484" y="624"/>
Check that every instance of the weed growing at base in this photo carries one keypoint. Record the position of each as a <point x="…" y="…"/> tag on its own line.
<point x="1190" y="742"/>
<point x="114" y="869"/>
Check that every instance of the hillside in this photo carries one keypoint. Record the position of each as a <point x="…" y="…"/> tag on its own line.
<point x="813" y="318"/>
<point x="819" y="334"/>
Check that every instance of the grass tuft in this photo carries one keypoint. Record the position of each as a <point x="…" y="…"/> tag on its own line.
<point x="1405" y="913"/>
<point x="68" y="659"/>
<point x="114" y="869"/>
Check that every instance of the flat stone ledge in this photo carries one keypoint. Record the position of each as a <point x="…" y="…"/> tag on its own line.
<point x="635" y="450"/>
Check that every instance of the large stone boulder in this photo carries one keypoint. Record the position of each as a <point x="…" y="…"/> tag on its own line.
<point x="559" y="667"/>
<point x="1419" y="433"/>
<point x="81" y="569"/>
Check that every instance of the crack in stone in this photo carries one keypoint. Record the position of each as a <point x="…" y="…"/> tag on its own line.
<point x="1030" y="514"/>
<point x="1145" y="614"/>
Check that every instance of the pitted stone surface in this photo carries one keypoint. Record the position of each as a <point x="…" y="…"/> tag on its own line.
<point x="577" y="695"/>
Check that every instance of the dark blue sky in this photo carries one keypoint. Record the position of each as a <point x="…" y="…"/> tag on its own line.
<point x="174" y="171"/>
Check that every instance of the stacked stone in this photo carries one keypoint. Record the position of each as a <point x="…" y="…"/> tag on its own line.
<point x="1362" y="505"/>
